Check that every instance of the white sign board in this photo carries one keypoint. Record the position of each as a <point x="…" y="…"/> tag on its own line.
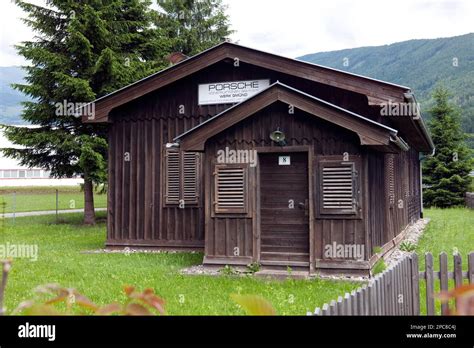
<point x="284" y="160"/>
<point x="229" y="92"/>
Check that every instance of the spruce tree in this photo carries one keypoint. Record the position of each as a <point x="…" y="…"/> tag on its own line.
<point x="446" y="173"/>
<point x="193" y="25"/>
<point x="82" y="50"/>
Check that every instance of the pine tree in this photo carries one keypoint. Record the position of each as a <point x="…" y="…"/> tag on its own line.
<point x="193" y="25"/>
<point x="82" y="50"/>
<point x="446" y="174"/>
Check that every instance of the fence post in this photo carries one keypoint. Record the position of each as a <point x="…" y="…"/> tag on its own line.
<point x="429" y="277"/>
<point x="443" y="278"/>
<point x="457" y="272"/>
<point x="57" y="204"/>
<point x="470" y="268"/>
<point x="415" y="283"/>
<point x="14" y="206"/>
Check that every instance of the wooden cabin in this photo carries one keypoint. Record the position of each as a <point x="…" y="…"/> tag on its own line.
<point x="254" y="157"/>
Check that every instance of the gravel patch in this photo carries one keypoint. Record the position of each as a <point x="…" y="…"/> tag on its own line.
<point x="128" y="251"/>
<point x="235" y="271"/>
<point x="412" y="235"/>
<point x="200" y="270"/>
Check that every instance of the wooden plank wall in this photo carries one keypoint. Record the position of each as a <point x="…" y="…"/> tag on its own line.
<point x="377" y="199"/>
<point x="406" y="205"/>
<point x="136" y="213"/>
<point x="300" y="129"/>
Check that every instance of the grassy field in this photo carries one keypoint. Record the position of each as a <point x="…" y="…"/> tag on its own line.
<point x="449" y="230"/>
<point x="102" y="276"/>
<point x="44" y="198"/>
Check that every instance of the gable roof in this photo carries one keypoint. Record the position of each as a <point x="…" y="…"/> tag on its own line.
<point x="369" y="132"/>
<point x="375" y="90"/>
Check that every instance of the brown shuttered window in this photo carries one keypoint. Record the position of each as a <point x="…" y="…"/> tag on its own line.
<point x="390" y="177"/>
<point x="231" y="189"/>
<point x="182" y="170"/>
<point x="339" y="187"/>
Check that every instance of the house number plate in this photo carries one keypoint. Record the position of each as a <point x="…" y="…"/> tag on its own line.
<point x="284" y="160"/>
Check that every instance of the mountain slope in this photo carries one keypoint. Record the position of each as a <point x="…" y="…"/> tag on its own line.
<point x="419" y="64"/>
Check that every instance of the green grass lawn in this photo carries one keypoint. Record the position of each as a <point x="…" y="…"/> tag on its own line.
<point x="102" y="276"/>
<point x="44" y="198"/>
<point x="449" y="230"/>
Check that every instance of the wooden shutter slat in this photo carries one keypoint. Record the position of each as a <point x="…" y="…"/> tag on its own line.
<point x="182" y="170"/>
<point x="172" y="177"/>
<point x="230" y="190"/>
<point x="338" y="189"/>
<point x="190" y="177"/>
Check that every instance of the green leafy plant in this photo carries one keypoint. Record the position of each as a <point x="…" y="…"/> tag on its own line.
<point x="407" y="246"/>
<point x="376" y="249"/>
<point x="253" y="267"/>
<point x="228" y="270"/>
<point x="379" y="267"/>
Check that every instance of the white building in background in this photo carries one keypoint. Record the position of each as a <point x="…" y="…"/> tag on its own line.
<point x="13" y="174"/>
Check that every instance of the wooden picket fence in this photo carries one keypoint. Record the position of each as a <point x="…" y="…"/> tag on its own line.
<point x="429" y="276"/>
<point x="396" y="291"/>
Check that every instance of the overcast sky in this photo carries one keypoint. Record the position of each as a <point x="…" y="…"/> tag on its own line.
<point x="296" y="27"/>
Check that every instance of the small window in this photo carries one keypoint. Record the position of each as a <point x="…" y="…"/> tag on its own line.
<point x="182" y="176"/>
<point x="22" y="174"/>
<point x="338" y="187"/>
<point x="231" y="189"/>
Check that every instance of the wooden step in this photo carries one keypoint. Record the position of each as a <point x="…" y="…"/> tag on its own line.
<point x="282" y="274"/>
<point x="284" y="263"/>
<point x="284" y="257"/>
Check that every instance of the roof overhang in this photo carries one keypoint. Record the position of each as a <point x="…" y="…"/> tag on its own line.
<point x="370" y="133"/>
<point x="376" y="91"/>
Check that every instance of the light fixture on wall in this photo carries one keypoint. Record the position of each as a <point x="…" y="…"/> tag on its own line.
<point x="278" y="137"/>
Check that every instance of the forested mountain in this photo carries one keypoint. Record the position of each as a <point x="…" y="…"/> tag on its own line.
<point x="419" y="64"/>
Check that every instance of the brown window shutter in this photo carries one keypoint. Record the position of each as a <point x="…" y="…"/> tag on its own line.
<point x="339" y="187"/>
<point x="172" y="176"/>
<point x="190" y="184"/>
<point x="231" y="189"/>
<point x="390" y="178"/>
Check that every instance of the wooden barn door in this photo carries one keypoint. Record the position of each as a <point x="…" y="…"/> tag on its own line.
<point x="284" y="209"/>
